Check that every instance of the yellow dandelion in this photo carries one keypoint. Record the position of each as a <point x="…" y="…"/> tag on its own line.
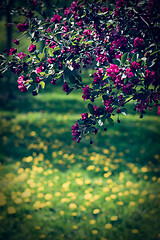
<point x="144" y="169"/>
<point x="82" y="208"/>
<point x="27" y="200"/>
<point x="105" y="151"/>
<point x="113" y="196"/>
<point x="74" y="214"/>
<point x="96" y="211"/>
<point x="115" y="189"/>
<point x="79" y="181"/>
<point x="48" y="196"/>
<point x="75" y="227"/>
<point x="94" y="232"/>
<point x="48" y="203"/>
<point x="106" y="175"/>
<point x="114" y="218"/>
<point x="92" y="221"/>
<point x="90" y="167"/>
<point x="120" y="203"/>
<point x="57" y="194"/>
<point x="11" y="210"/>
<point x="120" y="194"/>
<point x="37" y="227"/>
<point x="37" y="205"/>
<point x="87" y="196"/>
<point x="141" y="200"/>
<point x="154" y="178"/>
<point x="108" y="226"/>
<point x="26" y="193"/>
<point x="108" y="199"/>
<point x="72" y="205"/>
<point x="61" y="212"/>
<point x="42" y="236"/>
<point x="20" y="170"/>
<point x="18" y="200"/>
<point x="106" y="169"/>
<point x="28" y="216"/>
<point x="129" y="184"/>
<point x="87" y="181"/>
<point x="135" y="231"/>
<point x="126" y="193"/>
<point x="106" y="189"/>
<point x="151" y="196"/>
<point x="132" y="204"/>
<point x="66" y="185"/>
<point x="40" y="195"/>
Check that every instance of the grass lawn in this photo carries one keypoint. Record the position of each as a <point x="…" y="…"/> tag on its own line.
<point x="53" y="188"/>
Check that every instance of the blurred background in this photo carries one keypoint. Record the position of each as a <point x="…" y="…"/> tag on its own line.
<point x="53" y="188"/>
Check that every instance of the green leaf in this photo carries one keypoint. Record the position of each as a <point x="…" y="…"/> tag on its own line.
<point x="50" y="51"/>
<point x="134" y="57"/>
<point x="117" y="62"/>
<point x="78" y="77"/>
<point x="56" y="49"/>
<point x="124" y="111"/>
<point x="124" y="58"/>
<point x="42" y="84"/>
<point x="111" y="121"/>
<point x="41" y="56"/>
<point x="33" y="76"/>
<point x="91" y="109"/>
<point x="72" y="78"/>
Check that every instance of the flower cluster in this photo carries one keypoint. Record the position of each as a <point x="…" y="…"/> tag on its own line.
<point x="119" y="41"/>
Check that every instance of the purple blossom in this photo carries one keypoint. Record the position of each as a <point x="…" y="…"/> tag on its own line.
<point x="22" y="26"/>
<point x="84" y="116"/>
<point x="12" y="51"/>
<point x="16" y="41"/>
<point x="138" y="42"/>
<point x="21" y="55"/>
<point x="56" y="18"/>
<point x="86" y="92"/>
<point x="65" y="87"/>
<point x="32" y="48"/>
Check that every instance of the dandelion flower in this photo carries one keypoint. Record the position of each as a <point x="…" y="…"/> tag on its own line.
<point x="132" y="204"/>
<point x="72" y="205"/>
<point x="11" y="210"/>
<point x="96" y="211"/>
<point x="94" y="232"/>
<point x="114" y="218"/>
<point x="18" y="200"/>
<point x="135" y="231"/>
<point x="108" y="226"/>
<point x="48" y="196"/>
<point x="92" y="221"/>
<point x="75" y="227"/>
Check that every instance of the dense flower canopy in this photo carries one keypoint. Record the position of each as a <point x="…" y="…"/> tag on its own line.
<point x="120" y="40"/>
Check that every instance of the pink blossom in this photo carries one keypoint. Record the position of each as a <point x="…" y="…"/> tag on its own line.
<point x="87" y="32"/>
<point x="40" y="69"/>
<point x="12" y="51"/>
<point x="138" y="42"/>
<point x="32" y="48"/>
<point x="84" y="116"/>
<point x="21" y="55"/>
<point x="129" y="73"/>
<point x="56" y="18"/>
<point x="112" y="70"/>
<point x="22" y="26"/>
